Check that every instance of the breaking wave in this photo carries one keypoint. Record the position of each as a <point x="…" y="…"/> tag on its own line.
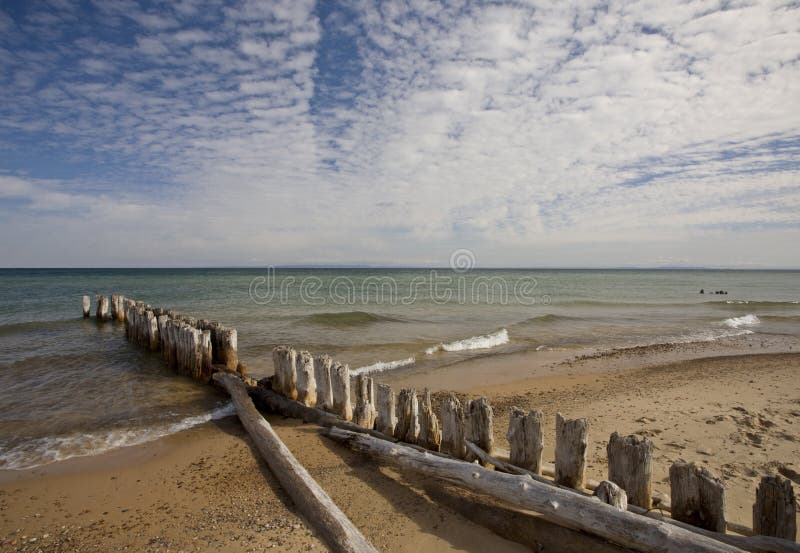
<point x="475" y="342"/>
<point x="381" y="366"/>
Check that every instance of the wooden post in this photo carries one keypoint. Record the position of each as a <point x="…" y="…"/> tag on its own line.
<point x="306" y="385"/>
<point x="430" y="434"/>
<point x="572" y="441"/>
<point x="407" y="428"/>
<point x="340" y="387"/>
<point x="775" y="510"/>
<point x="609" y="492"/>
<point x="479" y="426"/>
<point x="206" y="355"/>
<point x="364" y="413"/>
<point x="322" y="375"/>
<point x="114" y="307"/>
<point x="698" y="498"/>
<point x="227" y="342"/>
<point x="151" y="330"/>
<point x="387" y="418"/>
<point x="87" y="307"/>
<point x="525" y="439"/>
<point x="630" y="466"/>
<point x="102" y="307"/>
<point x="284" y="359"/>
<point x="453" y="428"/>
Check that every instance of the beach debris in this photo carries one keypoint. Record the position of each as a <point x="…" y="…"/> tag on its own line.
<point x="698" y="497"/>
<point x="525" y="439"/>
<point x="572" y="439"/>
<point x="775" y="509"/>
<point x="630" y="465"/>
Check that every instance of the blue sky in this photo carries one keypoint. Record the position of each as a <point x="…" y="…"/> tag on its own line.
<point x="586" y="133"/>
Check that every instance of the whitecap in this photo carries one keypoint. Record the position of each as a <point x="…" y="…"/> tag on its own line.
<point x="381" y="366"/>
<point x="745" y="320"/>
<point x="475" y="342"/>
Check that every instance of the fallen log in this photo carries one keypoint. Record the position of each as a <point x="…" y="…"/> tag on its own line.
<point x="313" y="503"/>
<point x="554" y="504"/>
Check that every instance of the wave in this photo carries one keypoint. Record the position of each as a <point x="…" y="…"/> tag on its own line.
<point x="349" y="318"/>
<point x="755" y="303"/>
<point x="710" y="335"/>
<point x="43" y="451"/>
<point x="745" y="320"/>
<point x="35" y="326"/>
<point x="381" y="366"/>
<point x="475" y="342"/>
<point x="546" y="318"/>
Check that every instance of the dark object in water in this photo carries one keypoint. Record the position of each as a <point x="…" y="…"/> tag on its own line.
<point x="702" y="291"/>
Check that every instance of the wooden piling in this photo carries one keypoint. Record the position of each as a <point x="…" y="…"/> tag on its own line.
<point x="87" y="307"/>
<point x="322" y="376"/>
<point x="525" y="439"/>
<point x="610" y="493"/>
<point x="630" y="466"/>
<point x="407" y="428"/>
<point x="364" y="413"/>
<point x="151" y="330"/>
<point x="102" y="307"/>
<point x="206" y="355"/>
<point x="452" y="415"/>
<point x="430" y="434"/>
<point x="698" y="498"/>
<point x="479" y="426"/>
<point x="340" y="387"/>
<point x="306" y="384"/>
<point x="572" y="440"/>
<point x="387" y="417"/>
<point x="284" y="359"/>
<point x="226" y="344"/>
<point x="775" y="509"/>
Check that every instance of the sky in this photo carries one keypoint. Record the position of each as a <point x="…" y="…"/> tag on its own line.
<point x="533" y="134"/>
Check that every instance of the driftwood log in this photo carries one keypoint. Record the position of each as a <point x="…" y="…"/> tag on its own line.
<point x="313" y="503"/>
<point x="554" y="504"/>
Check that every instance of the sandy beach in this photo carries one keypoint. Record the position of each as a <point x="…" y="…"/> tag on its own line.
<point x="205" y="489"/>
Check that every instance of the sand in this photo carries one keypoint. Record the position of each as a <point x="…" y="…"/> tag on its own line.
<point x="204" y="489"/>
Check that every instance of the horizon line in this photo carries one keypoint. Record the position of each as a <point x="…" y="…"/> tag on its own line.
<point x="413" y="267"/>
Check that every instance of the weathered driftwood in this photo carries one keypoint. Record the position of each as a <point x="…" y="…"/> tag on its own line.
<point x="755" y="544"/>
<point x="525" y="439"/>
<point x="364" y="413"/>
<point x="340" y="387"/>
<point x="572" y="441"/>
<point x="698" y="498"/>
<point x="430" y="435"/>
<point x="452" y="415"/>
<point x="322" y="376"/>
<point x="311" y="500"/>
<point x="102" y="307"/>
<point x="306" y="384"/>
<point x="387" y="417"/>
<point x="407" y="428"/>
<point x="630" y="466"/>
<point x="479" y="425"/>
<point x="557" y="505"/>
<point x="775" y="510"/>
<point x="610" y="493"/>
<point x="87" y="306"/>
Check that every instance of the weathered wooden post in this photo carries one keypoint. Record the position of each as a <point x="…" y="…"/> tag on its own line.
<point x="102" y="307"/>
<point x="430" y="434"/>
<point x="609" y="492"/>
<point x="407" y="428"/>
<point x="630" y="466"/>
<point x="775" y="509"/>
<point x="697" y="497"/>
<point x="227" y="342"/>
<point x="525" y="439"/>
<point x="340" y="387"/>
<point x="479" y="426"/>
<point x="115" y="307"/>
<point x="364" y="413"/>
<point x="322" y="376"/>
<point x="151" y="330"/>
<point x="387" y="418"/>
<point x="453" y="428"/>
<point x="285" y="358"/>
<point x="206" y="355"/>
<point x="306" y="385"/>
<point x="87" y="307"/>
<point x="572" y="441"/>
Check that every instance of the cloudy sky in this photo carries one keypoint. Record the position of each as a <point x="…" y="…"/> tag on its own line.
<point x="579" y="133"/>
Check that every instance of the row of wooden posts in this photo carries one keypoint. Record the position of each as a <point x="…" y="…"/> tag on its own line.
<point x="697" y="497"/>
<point x="190" y="346"/>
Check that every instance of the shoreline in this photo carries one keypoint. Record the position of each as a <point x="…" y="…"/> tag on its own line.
<point x="204" y="488"/>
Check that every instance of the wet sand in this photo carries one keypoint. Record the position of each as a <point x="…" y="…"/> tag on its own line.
<point x="204" y="489"/>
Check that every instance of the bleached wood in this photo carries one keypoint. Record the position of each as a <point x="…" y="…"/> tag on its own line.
<point x="102" y="307"/>
<point x="775" y="509"/>
<point x="698" y="498"/>
<point x="340" y="386"/>
<point x="479" y="425"/>
<point x="306" y="384"/>
<point x="572" y="441"/>
<point x="557" y="505"/>
<point x="87" y="307"/>
<point x="364" y="413"/>
<point x="525" y="439"/>
<point x="285" y="361"/>
<point x="430" y="434"/>
<point x="630" y="466"/>
<point x="453" y="427"/>
<point x="339" y="533"/>
<point x="610" y="493"/>
<point x="407" y="416"/>
<point x="387" y="417"/>
<point x="322" y="376"/>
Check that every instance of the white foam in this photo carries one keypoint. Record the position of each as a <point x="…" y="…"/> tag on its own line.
<point x="43" y="451"/>
<point x="381" y="366"/>
<point x="476" y="342"/>
<point x="710" y="335"/>
<point x="746" y="320"/>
